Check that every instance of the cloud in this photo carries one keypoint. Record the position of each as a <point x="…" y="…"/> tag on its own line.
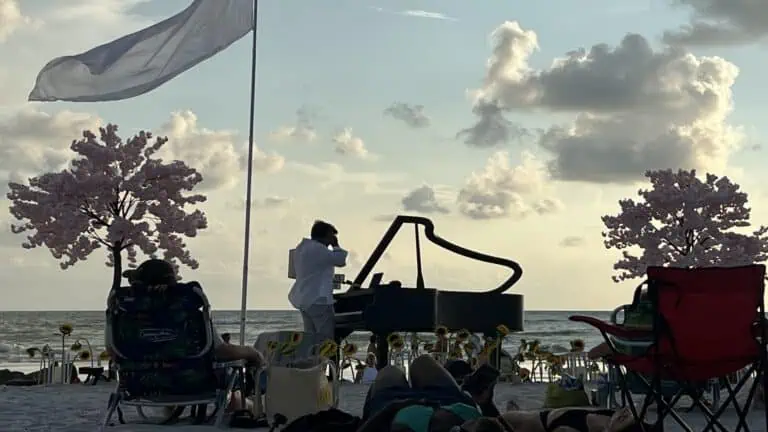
<point x="302" y="130"/>
<point x="412" y="115"/>
<point x="333" y="175"/>
<point x="492" y="128"/>
<point x="266" y="203"/>
<point x="11" y="18"/>
<point x="415" y="13"/>
<point x="502" y="190"/>
<point x="634" y="108"/>
<point x="349" y="145"/>
<point x="423" y="200"/>
<point x="33" y="142"/>
<point x="572" y="241"/>
<point x="721" y="22"/>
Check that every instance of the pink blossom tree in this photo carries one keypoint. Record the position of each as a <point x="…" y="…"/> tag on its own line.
<point x="114" y="195"/>
<point x="684" y="221"/>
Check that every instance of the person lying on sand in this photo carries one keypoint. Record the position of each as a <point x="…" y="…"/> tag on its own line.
<point x="432" y="396"/>
<point x="558" y="420"/>
<point x="161" y="274"/>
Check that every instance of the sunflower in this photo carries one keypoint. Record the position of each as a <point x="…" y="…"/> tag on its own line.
<point x="66" y="329"/>
<point x="328" y="348"/>
<point x="441" y="331"/>
<point x="32" y="351"/>
<point x="77" y="346"/>
<point x="502" y="330"/>
<point x="392" y="338"/>
<point x="296" y="338"/>
<point x="398" y="344"/>
<point x="287" y="348"/>
<point x="272" y="345"/>
<point x="462" y="335"/>
<point x="104" y="356"/>
<point x="577" y="345"/>
<point x="349" y="349"/>
<point x="84" y="355"/>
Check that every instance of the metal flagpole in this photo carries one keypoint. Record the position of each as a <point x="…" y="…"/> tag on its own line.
<point x="249" y="179"/>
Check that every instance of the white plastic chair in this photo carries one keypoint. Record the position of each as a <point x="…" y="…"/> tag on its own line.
<point x="577" y="365"/>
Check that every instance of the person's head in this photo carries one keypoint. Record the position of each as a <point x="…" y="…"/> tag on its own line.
<point x="372" y="339"/>
<point x="226" y="337"/>
<point x="155" y="272"/>
<point x="323" y="232"/>
<point x="130" y="275"/>
<point x="370" y="360"/>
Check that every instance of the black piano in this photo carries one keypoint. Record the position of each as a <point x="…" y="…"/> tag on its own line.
<point x="387" y="307"/>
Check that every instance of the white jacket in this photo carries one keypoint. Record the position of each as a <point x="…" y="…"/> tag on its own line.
<point x="314" y="265"/>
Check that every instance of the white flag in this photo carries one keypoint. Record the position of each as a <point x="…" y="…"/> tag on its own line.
<point x="142" y="61"/>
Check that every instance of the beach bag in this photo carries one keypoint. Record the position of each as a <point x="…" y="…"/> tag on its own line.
<point x="567" y="392"/>
<point x="292" y="392"/>
<point x="331" y="420"/>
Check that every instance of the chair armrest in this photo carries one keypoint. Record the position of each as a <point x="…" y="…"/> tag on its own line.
<point x="229" y="364"/>
<point x="611" y="329"/>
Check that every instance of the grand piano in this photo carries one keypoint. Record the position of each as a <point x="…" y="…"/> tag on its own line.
<point x="387" y="307"/>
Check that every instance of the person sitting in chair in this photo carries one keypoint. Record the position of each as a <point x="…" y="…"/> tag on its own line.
<point x="160" y="274"/>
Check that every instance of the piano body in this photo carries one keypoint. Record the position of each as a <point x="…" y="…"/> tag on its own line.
<point x="384" y="308"/>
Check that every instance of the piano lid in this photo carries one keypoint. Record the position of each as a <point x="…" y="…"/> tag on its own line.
<point x="429" y="233"/>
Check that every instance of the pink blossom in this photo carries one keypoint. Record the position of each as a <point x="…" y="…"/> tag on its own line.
<point x="684" y="221"/>
<point x="115" y="195"/>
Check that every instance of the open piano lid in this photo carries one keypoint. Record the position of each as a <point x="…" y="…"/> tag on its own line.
<point x="422" y="308"/>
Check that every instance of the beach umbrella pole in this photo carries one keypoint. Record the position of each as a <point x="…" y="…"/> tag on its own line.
<point x="249" y="179"/>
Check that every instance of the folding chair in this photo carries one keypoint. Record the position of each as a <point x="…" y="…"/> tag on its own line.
<point x="708" y="324"/>
<point x="162" y="340"/>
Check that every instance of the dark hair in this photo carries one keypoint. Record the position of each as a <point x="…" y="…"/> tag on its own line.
<point x="226" y="337"/>
<point x="322" y="229"/>
<point x="372" y="339"/>
<point x="156" y="272"/>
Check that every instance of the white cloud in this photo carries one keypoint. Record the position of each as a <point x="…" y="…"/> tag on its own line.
<point x="350" y="145"/>
<point x="302" y="130"/>
<point x="33" y="142"/>
<point x="502" y="190"/>
<point x="412" y="115"/>
<point x="635" y="108"/>
<point x="423" y="200"/>
<point x="721" y="22"/>
<point x="416" y="13"/>
<point x="573" y="241"/>
<point x="11" y="18"/>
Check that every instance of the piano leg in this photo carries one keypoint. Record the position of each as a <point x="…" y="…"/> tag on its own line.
<point x="382" y="351"/>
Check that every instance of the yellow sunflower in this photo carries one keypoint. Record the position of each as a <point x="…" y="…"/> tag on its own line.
<point x="84" y="355"/>
<point x="398" y="344"/>
<point x="462" y="335"/>
<point x="502" y="330"/>
<point x="441" y="331"/>
<point x="272" y="345"/>
<point x="328" y="348"/>
<point x="296" y="338"/>
<point x="392" y="338"/>
<point x="577" y="345"/>
<point x="32" y="351"/>
<point x="77" y="346"/>
<point x="66" y="329"/>
<point x="104" y="356"/>
<point x="349" y="349"/>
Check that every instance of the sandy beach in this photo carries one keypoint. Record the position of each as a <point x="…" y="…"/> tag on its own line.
<point x="77" y="407"/>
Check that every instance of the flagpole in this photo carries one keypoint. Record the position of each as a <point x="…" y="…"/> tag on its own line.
<point x="249" y="179"/>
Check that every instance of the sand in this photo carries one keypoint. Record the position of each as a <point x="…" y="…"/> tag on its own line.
<point x="77" y="407"/>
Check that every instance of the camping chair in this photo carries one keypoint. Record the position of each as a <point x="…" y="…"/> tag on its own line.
<point x="161" y="340"/>
<point x="690" y="347"/>
<point x="294" y="377"/>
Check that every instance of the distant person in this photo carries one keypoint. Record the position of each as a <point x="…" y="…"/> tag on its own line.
<point x="367" y="374"/>
<point x="372" y="345"/>
<point x="314" y="262"/>
<point x="226" y="337"/>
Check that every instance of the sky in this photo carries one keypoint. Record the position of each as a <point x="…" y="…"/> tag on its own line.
<point x="514" y="126"/>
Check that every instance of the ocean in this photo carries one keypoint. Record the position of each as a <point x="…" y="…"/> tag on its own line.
<point x="22" y="330"/>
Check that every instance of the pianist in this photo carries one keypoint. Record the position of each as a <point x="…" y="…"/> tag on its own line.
<point x="314" y="262"/>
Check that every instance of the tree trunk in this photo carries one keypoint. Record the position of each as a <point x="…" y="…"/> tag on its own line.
<point x="117" y="268"/>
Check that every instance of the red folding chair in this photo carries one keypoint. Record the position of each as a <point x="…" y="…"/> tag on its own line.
<point x="707" y="325"/>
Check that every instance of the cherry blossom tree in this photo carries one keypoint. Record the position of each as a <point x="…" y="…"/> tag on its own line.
<point x="115" y="195"/>
<point x="684" y="221"/>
